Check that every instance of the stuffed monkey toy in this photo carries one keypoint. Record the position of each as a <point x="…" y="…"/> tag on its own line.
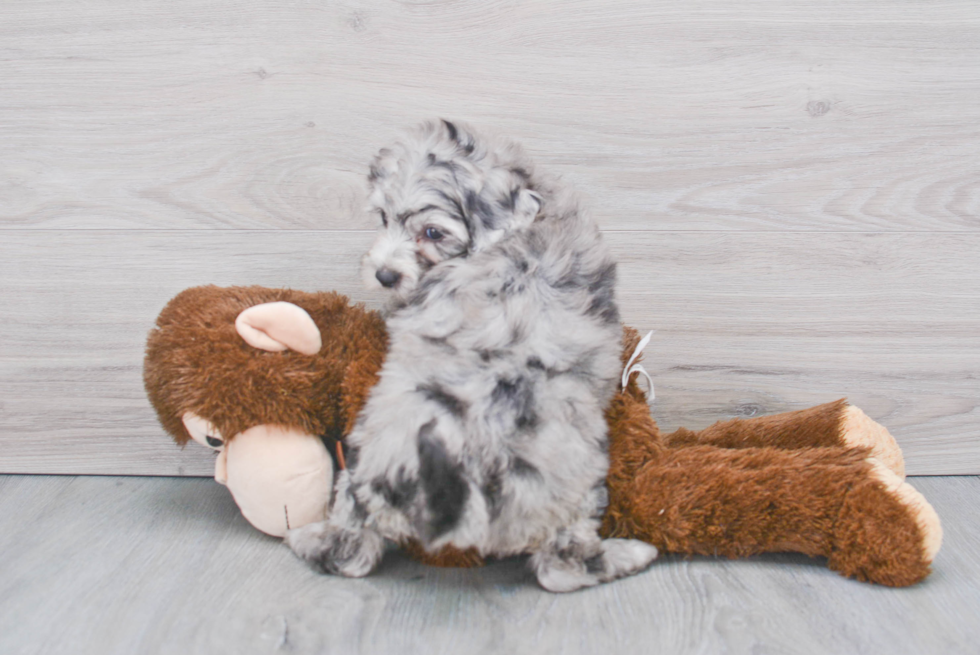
<point x="247" y="374"/>
<point x="274" y="379"/>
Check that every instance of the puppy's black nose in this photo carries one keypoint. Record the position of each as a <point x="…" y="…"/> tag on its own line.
<point x="387" y="277"/>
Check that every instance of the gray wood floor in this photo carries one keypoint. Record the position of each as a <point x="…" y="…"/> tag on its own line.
<point x="105" y="565"/>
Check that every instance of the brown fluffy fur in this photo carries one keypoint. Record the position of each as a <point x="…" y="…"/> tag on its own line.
<point x="788" y="482"/>
<point x="196" y="361"/>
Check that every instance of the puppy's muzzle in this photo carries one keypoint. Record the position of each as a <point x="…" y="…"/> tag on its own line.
<point x="387" y="277"/>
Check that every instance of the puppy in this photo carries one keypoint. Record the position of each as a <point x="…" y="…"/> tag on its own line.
<point x="486" y="428"/>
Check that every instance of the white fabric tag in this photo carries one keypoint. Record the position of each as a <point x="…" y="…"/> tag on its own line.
<point x="632" y="368"/>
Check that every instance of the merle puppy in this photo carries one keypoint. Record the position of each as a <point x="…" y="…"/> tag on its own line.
<point x="486" y="428"/>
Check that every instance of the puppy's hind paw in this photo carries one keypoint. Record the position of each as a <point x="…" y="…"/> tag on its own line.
<point x="328" y="549"/>
<point x="622" y="557"/>
<point x="618" y="558"/>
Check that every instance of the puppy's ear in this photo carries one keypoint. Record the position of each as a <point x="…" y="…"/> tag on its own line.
<point x="526" y="207"/>
<point x="458" y="134"/>
<point x="384" y="165"/>
<point x="516" y="211"/>
<point x="451" y="129"/>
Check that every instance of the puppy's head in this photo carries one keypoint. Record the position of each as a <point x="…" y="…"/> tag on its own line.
<point x="441" y="193"/>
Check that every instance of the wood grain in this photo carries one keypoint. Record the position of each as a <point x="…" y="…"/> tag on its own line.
<point x="794" y="190"/>
<point x="858" y="116"/>
<point x="745" y="324"/>
<point x="112" y="565"/>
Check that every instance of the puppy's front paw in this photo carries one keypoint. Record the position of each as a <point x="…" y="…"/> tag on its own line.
<point x="307" y="542"/>
<point x="329" y="549"/>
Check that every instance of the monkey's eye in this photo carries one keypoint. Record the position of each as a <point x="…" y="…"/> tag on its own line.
<point x="433" y="234"/>
<point x="214" y="442"/>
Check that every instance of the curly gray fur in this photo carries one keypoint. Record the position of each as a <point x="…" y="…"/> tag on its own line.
<point x="486" y="429"/>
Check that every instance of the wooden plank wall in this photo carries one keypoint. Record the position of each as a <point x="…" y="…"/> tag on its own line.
<point x="793" y="189"/>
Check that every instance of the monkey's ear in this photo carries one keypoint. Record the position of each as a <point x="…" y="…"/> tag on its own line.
<point x="278" y="326"/>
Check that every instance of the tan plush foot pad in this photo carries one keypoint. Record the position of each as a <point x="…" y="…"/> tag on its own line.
<point x="857" y="429"/>
<point x="886" y="532"/>
<point x="925" y="515"/>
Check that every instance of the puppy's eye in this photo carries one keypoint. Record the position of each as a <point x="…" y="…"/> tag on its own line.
<point x="384" y="217"/>
<point x="214" y="442"/>
<point x="433" y="234"/>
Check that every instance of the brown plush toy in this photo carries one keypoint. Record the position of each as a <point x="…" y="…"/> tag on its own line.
<point x="241" y="370"/>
